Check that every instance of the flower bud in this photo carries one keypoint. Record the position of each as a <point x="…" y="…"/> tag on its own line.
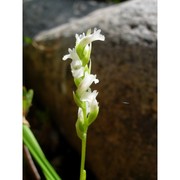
<point x="93" y="114"/>
<point x="81" y="125"/>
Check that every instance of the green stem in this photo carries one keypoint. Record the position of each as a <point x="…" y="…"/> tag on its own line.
<point x="83" y="156"/>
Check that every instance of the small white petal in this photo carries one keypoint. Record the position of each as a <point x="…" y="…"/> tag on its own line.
<point x="96" y="81"/>
<point x="76" y="65"/>
<point x="86" y="82"/>
<point x="65" y="57"/>
<point x="72" y="55"/>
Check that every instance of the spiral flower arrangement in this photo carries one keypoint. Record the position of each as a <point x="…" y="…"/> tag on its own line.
<point x="84" y="97"/>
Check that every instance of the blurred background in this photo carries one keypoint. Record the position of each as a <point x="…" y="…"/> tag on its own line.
<point x="122" y="142"/>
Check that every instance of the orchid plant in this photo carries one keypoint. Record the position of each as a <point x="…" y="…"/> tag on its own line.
<point x="84" y="97"/>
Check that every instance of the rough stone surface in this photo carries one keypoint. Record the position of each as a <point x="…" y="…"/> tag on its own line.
<point x="132" y="22"/>
<point x="122" y="141"/>
<point x="41" y="15"/>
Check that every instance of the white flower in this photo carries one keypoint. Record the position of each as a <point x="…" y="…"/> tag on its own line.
<point x="82" y="40"/>
<point x="90" y="99"/>
<point x="72" y="55"/>
<point x="86" y="82"/>
<point x="76" y="65"/>
<point x="77" y="69"/>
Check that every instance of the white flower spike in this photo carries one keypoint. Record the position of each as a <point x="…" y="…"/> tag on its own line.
<point x="83" y="96"/>
<point x="81" y="71"/>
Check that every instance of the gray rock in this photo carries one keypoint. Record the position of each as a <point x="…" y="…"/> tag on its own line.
<point x="132" y="21"/>
<point x="41" y="15"/>
<point x="122" y="141"/>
